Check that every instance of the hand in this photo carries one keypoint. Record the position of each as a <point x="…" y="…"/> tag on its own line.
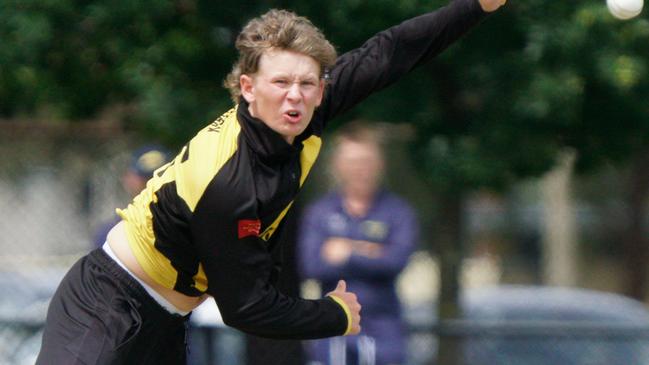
<point x="368" y="249"/>
<point x="491" y="5"/>
<point x="336" y="250"/>
<point x="351" y="301"/>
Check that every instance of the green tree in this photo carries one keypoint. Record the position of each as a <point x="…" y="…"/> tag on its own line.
<point x="534" y="79"/>
<point x="164" y="60"/>
<point x="504" y="104"/>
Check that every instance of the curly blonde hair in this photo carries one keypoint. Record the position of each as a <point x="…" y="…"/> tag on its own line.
<point x="277" y="29"/>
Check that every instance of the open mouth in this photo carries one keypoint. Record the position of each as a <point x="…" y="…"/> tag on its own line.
<point x="293" y="115"/>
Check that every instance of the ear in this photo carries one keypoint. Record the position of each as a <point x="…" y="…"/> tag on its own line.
<point x="247" y="88"/>
<point x="323" y="83"/>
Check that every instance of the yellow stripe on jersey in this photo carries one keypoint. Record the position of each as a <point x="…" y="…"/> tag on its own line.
<point x="348" y="313"/>
<point x="200" y="279"/>
<point x="215" y="144"/>
<point x="308" y="155"/>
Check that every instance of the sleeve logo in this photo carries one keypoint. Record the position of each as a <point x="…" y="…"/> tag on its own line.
<point x="249" y="227"/>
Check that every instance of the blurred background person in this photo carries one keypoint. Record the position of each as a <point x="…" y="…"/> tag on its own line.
<point x="142" y="163"/>
<point x="363" y="233"/>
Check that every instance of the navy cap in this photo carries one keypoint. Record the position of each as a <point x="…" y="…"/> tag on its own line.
<point x="146" y="159"/>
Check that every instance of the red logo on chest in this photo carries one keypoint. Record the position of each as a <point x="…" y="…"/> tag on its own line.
<point x="249" y="227"/>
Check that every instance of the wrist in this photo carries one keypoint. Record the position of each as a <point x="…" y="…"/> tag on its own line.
<point x="345" y="308"/>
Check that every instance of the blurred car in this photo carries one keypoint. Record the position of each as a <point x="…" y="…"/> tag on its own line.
<point x="503" y="325"/>
<point x="536" y="325"/>
<point x="24" y="297"/>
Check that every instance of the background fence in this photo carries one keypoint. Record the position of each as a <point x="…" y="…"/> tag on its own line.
<point x="475" y="343"/>
<point x="57" y="185"/>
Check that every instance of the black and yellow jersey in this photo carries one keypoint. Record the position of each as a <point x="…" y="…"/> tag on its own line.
<point x="206" y="221"/>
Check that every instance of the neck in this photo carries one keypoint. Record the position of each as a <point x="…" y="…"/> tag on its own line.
<point x="357" y="203"/>
<point x="251" y="110"/>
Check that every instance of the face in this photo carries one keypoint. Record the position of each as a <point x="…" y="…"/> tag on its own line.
<point x="358" y="167"/>
<point x="284" y="92"/>
<point x="133" y="183"/>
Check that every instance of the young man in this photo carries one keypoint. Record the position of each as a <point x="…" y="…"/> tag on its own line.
<point x="206" y="222"/>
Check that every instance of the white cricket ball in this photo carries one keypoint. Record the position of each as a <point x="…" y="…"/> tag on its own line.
<point x="625" y="9"/>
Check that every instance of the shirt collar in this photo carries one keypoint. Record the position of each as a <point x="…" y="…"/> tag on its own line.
<point x="269" y="145"/>
<point x="376" y="199"/>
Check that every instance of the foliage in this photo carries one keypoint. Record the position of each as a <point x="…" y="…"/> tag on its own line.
<point x="530" y="81"/>
<point x="71" y="59"/>
<point x="536" y="79"/>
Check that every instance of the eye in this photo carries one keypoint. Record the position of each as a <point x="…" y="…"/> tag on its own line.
<point x="280" y="82"/>
<point x="308" y="83"/>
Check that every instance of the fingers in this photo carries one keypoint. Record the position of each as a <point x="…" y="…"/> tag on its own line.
<point x="351" y="302"/>
<point x="356" y="318"/>
<point x="491" y="5"/>
<point x="342" y="286"/>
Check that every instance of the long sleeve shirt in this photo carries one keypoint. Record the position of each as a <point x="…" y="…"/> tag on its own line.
<point x="206" y="222"/>
<point x="390" y="223"/>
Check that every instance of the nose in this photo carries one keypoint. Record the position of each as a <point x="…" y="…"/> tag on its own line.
<point x="294" y="93"/>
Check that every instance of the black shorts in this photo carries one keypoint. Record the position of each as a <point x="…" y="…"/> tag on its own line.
<point x="101" y="315"/>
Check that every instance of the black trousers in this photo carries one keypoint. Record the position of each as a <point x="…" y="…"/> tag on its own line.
<point x="101" y="315"/>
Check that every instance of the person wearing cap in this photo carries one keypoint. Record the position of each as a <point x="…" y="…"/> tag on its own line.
<point x="208" y="222"/>
<point x="142" y="163"/>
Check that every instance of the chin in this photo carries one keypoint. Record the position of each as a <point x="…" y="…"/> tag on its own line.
<point x="294" y="131"/>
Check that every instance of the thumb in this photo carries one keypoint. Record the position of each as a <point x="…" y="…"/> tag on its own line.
<point x="342" y="286"/>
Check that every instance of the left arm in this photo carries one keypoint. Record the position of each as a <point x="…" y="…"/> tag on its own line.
<point x="240" y="272"/>
<point x="394" y="254"/>
<point x="312" y="237"/>
<point x="392" y="53"/>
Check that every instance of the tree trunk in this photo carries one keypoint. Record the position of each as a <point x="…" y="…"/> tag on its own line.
<point x="637" y="244"/>
<point x="559" y="237"/>
<point x="450" y="251"/>
<point x="449" y="225"/>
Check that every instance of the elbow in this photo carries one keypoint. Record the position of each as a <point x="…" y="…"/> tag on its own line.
<point x="235" y="322"/>
<point x="234" y="315"/>
<point x="247" y="318"/>
<point x="238" y="321"/>
<point x="232" y="319"/>
<point x="252" y="325"/>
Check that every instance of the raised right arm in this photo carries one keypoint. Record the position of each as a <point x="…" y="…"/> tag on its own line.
<point x="392" y="53"/>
